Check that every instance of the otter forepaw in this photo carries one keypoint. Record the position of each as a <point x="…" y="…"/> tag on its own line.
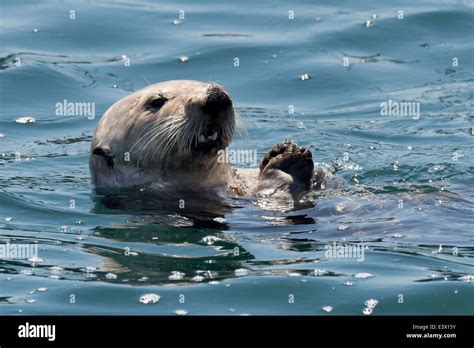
<point x="291" y="159"/>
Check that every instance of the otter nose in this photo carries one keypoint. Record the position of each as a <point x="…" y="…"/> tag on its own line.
<point x="217" y="101"/>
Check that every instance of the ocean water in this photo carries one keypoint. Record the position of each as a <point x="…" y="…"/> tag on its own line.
<point x="405" y="196"/>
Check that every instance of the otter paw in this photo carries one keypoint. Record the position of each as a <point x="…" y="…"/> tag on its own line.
<point x="291" y="159"/>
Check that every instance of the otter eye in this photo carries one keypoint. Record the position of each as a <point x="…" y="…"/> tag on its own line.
<point x="157" y="103"/>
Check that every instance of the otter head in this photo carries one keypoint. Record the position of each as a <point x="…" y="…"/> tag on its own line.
<point x="166" y="128"/>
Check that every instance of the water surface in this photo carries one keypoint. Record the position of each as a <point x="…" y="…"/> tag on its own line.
<point x="407" y="193"/>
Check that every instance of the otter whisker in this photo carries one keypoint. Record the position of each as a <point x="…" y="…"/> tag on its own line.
<point x="240" y="126"/>
<point x="155" y="127"/>
<point x="168" y="135"/>
<point x="162" y="146"/>
<point x="187" y="136"/>
<point x="163" y="132"/>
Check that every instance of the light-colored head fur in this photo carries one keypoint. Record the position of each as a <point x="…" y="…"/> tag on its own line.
<point x="166" y="130"/>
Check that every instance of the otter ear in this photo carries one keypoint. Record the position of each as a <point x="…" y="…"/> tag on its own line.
<point x="105" y="152"/>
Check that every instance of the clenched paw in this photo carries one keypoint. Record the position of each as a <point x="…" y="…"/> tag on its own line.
<point x="291" y="159"/>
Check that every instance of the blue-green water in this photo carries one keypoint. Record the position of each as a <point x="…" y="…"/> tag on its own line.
<point x="408" y="189"/>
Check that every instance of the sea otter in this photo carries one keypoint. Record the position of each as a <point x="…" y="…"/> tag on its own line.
<point x="169" y="135"/>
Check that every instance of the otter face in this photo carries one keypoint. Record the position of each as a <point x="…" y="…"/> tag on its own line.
<point x="166" y="126"/>
<point x="189" y="120"/>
